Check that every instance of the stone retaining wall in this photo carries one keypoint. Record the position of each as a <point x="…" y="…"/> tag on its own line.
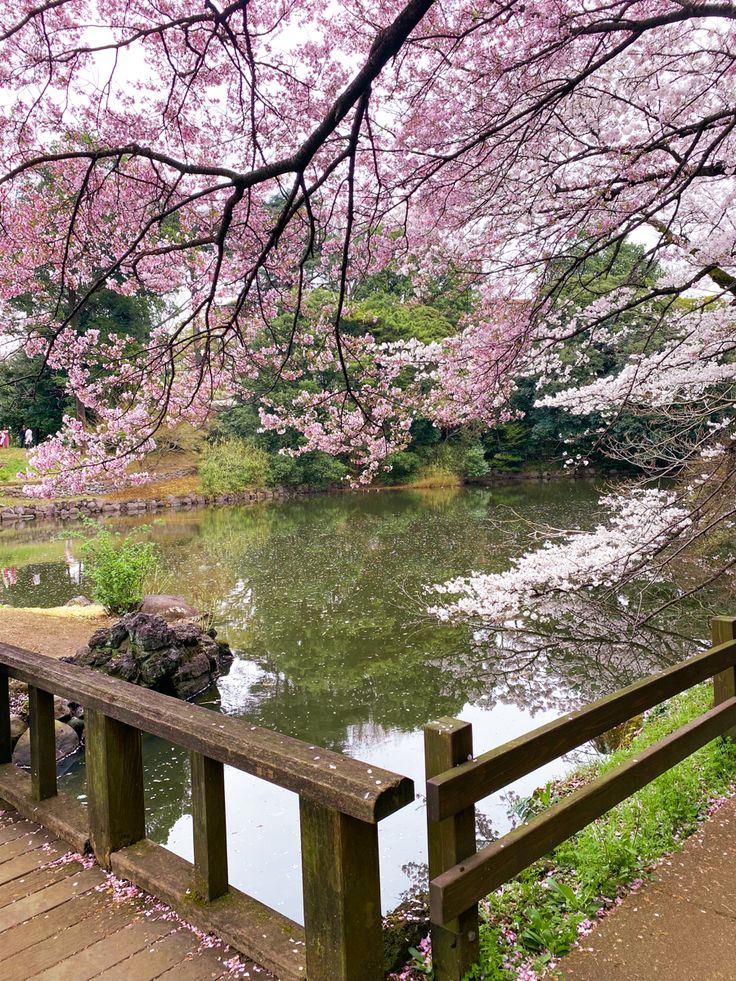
<point x="102" y="507"/>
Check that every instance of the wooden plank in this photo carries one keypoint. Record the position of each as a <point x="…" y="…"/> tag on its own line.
<point x="29" y="842"/>
<point x="47" y="899"/>
<point x="210" y="835"/>
<point x="359" y="789"/>
<point x="723" y="630"/>
<point x="106" y="953"/>
<point x="6" y="742"/>
<point x="34" y="858"/>
<point x="150" y="963"/>
<point x="471" y="880"/>
<point x="18" y="829"/>
<point x="67" y="941"/>
<point x="459" y="788"/>
<point x="64" y="816"/>
<point x="271" y="939"/>
<point x="43" y="743"/>
<point x="35" y="881"/>
<point x="342" y="897"/>
<point x="455" y="945"/>
<point x="39" y="928"/>
<point x="114" y="759"/>
<point x="205" y="965"/>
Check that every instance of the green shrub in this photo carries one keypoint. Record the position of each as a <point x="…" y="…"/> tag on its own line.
<point x="404" y="464"/>
<point x="118" y="569"/>
<point x="232" y="466"/>
<point x="506" y="462"/>
<point x="283" y="471"/>
<point x="320" y="469"/>
<point x="475" y="464"/>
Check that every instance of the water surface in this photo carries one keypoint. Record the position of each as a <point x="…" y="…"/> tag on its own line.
<point x="324" y="601"/>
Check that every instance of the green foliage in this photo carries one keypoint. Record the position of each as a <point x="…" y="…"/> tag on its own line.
<point x="475" y="465"/>
<point x="537" y="915"/>
<point x="507" y="462"/>
<point x="320" y="469"/>
<point x="31" y="395"/>
<point x="118" y="568"/>
<point x="405" y="466"/>
<point x="233" y="465"/>
<point x="284" y="471"/>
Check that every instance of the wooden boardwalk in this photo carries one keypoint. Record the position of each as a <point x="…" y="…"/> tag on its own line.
<point x="60" y="921"/>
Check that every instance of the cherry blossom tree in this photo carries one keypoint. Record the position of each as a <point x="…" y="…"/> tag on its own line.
<point x="232" y="157"/>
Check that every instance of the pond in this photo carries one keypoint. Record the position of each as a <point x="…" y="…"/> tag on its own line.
<point x="323" y="600"/>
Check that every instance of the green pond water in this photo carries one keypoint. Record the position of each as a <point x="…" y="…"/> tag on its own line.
<point x="323" y="601"/>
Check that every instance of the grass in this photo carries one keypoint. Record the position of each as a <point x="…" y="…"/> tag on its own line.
<point x="539" y="915"/>
<point x="435" y="475"/>
<point x="12" y="460"/>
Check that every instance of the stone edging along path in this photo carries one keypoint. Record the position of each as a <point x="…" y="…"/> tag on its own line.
<point x="66" y="510"/>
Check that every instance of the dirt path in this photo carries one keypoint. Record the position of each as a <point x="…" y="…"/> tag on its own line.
<point x="57" y="633"/>
<point x="681" y="926"/>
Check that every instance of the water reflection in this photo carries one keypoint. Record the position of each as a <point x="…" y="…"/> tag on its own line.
<point x="323" y="599"/>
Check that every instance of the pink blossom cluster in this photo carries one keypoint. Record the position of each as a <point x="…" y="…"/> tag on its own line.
<point x="640" y="524"/>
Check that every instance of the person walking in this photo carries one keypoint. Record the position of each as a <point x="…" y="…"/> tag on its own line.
<point x="28" y="438"/>
<point x="4" y="439"/>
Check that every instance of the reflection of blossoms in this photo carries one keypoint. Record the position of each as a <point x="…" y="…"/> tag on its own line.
<point x="640" y="525"/>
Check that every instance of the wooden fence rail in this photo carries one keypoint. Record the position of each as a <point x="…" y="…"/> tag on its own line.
<point x="460" y="876"/>
<point x="341" y="801"/>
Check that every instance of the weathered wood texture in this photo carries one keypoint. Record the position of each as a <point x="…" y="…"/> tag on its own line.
<point x="466" y="883"/>
<point x="114" y="784"/>
<point x="63" y="815"/>
<point x="448" y="743"/>
<point x="6" y="742"/>
<point x="456" y="790"/>
<point x="43" y="743"/>
<point x="336" y="781"/>
<point x="723" y="631"/>
<point x="58" y="922"/>
<point x="273" y="940"/>
<point x="342" y="901"/>
<point x="210" y="836"/>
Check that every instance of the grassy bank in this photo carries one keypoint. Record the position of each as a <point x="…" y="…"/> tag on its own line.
<point x="537" y="917"/>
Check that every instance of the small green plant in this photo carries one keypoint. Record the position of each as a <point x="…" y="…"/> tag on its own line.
<point x="118" y="568"/>
<point x="232" y="466"/>
<point x="475" y="464"/>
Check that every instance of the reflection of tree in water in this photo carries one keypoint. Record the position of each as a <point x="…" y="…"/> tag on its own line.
<point x="326" y="596"/>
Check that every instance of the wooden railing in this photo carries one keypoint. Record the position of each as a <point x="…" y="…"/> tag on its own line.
<point x="341" y="802"/>
<point x="460" y="876"/>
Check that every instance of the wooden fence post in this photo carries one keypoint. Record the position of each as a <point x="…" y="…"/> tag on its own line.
<point x="723" y="629"/>
<point x="342" y="895"/>
<point x="43" y="743"/>
<point x="114" y="784"/>
<point x="447" y="743"/>
<point x="210" y="836"/>
<point x="6" y="742"/>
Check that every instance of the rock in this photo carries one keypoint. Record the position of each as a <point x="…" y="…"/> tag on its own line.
<point x="178" y="659"/>
<point x="78" y="601"/>
<point x="168" y="607"/>
<point x="17" y="727"/>
<point x="67" y="743"/>
<point x="62" y="709"/>
<point x="151" y="633"/>
<point x="99" y="638"/>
